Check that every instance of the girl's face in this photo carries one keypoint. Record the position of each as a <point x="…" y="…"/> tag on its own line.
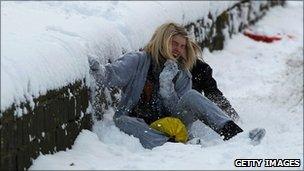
<point x="178" y="46"/>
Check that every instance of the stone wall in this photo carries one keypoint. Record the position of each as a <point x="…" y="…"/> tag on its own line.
<point x="56" y="118"/>
<point x="50" y="126"/>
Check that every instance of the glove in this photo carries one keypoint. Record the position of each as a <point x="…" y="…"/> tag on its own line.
<point x="96" y="70"/>
<point x="165" y="78"/>
<point x="94" y="64"/>
<point x="170" y="70"/>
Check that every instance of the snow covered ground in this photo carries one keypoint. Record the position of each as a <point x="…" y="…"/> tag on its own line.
<point x="264" y="82"/>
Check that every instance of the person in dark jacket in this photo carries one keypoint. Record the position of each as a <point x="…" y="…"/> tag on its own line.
<point x="204" y="82"/>
<point x="157" y="83"/>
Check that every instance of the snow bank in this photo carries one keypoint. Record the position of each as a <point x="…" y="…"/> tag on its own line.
<point x="264" y="82"/>
<point x="44" y="45"/>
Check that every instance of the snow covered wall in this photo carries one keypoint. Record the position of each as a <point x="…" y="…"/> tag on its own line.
<point x="44" y="68"/>
<point x="43" y="40"/>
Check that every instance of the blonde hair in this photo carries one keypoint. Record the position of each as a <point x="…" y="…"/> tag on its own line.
<point x="159" y="45"/>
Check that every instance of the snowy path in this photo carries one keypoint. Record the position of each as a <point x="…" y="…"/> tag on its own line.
<point x="264" y="82"/>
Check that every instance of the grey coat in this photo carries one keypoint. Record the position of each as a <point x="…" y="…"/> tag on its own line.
<point x="129" y="74"/>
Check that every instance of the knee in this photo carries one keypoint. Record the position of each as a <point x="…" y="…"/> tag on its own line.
<point x="191" y="95"/>
<point x="192" y="92"/>
<point x="122" y="122"/>
<point x="119" y="117"/>
<point x="118" y="120"/>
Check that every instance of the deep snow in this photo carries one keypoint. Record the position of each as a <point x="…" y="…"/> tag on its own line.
<point x="264" y="83"/>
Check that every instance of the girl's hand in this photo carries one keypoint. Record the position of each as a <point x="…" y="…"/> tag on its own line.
<point x="170" y="70"/>
<point x="166" y="85"/>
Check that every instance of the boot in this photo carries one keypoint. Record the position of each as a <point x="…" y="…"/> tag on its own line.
<point x="229" y="130"/>
<point x="256" y="135"/>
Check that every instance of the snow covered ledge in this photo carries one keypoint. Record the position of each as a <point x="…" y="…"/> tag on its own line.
<point x="44" y="69"/>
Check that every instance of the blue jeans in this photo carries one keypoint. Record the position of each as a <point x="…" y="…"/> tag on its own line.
<point x="192" y="106"/>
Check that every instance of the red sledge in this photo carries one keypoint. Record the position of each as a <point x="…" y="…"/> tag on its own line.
<point x="260" y="37"/>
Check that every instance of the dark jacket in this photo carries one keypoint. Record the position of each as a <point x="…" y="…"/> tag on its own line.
<point x="204" y="82"/>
